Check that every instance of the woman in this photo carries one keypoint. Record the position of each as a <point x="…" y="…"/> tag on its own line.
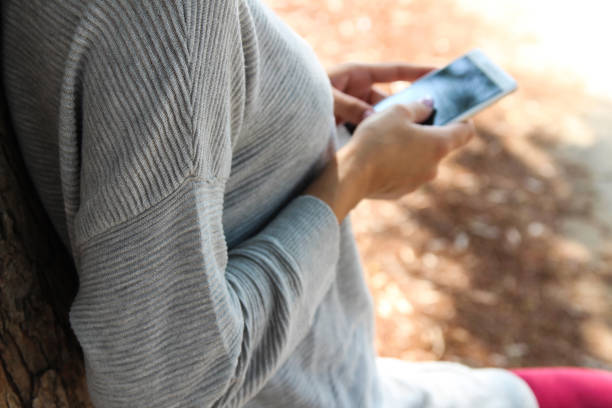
<point x="185" y="152"/>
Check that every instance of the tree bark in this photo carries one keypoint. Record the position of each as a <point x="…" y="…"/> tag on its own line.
<point x="41" y="364"/>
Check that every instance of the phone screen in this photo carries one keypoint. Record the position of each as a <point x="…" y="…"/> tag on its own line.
<point x="455" y="89"/>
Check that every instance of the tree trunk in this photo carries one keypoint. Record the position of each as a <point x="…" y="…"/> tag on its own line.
<point x="41" y="364"/>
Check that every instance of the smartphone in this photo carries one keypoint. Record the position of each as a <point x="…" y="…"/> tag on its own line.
<point x="461" y="89"/>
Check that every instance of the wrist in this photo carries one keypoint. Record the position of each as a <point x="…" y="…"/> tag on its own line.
<point x="341" y="184"/>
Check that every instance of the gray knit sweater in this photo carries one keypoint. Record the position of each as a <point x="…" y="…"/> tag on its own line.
<point x="169" y="142"/>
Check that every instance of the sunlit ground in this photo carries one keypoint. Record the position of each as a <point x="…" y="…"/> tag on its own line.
<point x="506" y="259"/>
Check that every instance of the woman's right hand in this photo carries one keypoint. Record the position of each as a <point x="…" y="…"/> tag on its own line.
<point x="389" y="155"/>
<point x="398" y="154"/>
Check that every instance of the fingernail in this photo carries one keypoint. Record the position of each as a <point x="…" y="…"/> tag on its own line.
<point x="428" y="101"/>
<point x="367" y="113"/>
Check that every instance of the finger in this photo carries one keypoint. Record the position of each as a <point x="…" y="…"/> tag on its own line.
<point x="349" y="108"/>
<point x="417" y="112"/>
<point x="449" y="137"/>
<point x="396" y="71"/>
<point x="376" y="95"/>
<point x="458" y="134"/>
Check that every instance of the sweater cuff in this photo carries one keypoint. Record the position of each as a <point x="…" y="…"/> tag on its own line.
<point x="307" y="233"/>
<point x="308" y="230"/>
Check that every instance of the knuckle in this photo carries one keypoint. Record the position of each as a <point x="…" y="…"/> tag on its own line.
<point x="355" y="113"/>
<point x="403" y="110"/>
<point x="473" y="132"/>
<point x="433" y="173"/>
<point x="442" y="148"/>
<point x="471" y="126"/>
<point x="354" y="108"/>
<point x="468" y="132"/>
<point x="406" y="126"/>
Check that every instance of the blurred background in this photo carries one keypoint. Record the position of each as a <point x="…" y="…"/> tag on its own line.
<point x="506" y="259"/>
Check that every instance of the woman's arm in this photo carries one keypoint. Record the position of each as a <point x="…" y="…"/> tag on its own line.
<point x="155" y="94"/>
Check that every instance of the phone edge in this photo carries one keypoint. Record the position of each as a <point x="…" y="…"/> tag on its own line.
<point x="495" y="73"/>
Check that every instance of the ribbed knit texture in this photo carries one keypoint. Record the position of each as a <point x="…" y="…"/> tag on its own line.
<point x="169" y="142"/>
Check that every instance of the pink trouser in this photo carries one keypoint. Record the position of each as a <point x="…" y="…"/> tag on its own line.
<point x="569" y="387"/>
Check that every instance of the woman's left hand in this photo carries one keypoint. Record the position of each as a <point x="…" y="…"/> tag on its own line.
<point x="353" y="90"/>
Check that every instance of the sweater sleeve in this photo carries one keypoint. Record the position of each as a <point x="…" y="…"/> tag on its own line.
<point x="165" y="314"/>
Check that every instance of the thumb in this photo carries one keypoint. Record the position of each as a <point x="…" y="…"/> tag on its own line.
<point x="420" y="111"/>
<point x="349" y="108"/>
